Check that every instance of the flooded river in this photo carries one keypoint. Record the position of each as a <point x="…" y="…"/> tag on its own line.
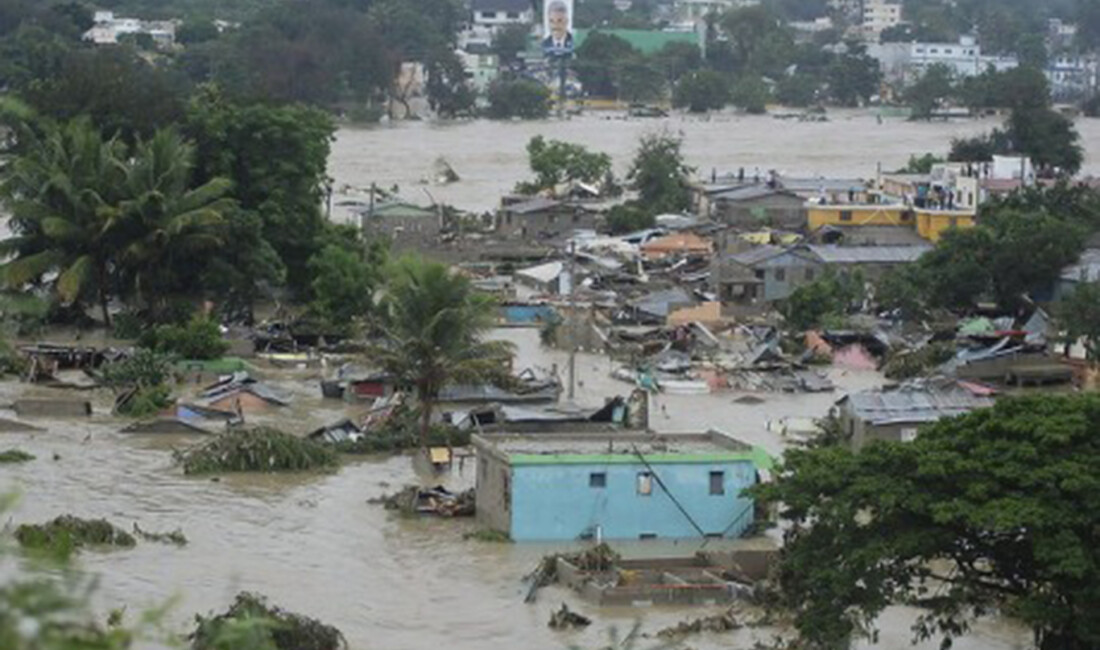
<point x="490" y="157"/>
<point x="313" y="544"/>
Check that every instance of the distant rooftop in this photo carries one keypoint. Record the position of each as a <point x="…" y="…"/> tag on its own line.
<point x="619" y="448"/>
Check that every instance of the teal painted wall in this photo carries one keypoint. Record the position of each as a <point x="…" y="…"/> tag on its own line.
<point x="556" y="501"/>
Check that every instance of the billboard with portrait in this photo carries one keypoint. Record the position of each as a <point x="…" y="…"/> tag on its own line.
<point x="557" y="27"/>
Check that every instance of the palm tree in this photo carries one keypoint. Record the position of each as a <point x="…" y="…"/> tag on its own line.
<point x="433" y="323"/>
<point x="57" y="191"/>
<point x="162" y="224"/>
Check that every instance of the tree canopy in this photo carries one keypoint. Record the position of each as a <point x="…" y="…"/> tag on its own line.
<point x="993" y="511"/>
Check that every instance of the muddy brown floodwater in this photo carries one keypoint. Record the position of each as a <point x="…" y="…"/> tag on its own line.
<point x="313" y="544"/>
<point x="490" y="157"/>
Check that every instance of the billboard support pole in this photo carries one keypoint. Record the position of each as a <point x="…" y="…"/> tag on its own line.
<point x="561" y="87"/>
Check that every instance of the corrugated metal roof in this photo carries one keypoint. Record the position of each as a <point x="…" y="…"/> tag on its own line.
<point x="754" y="256"/>
<point x="748" y="193"/>
<point x="869" y="254"/>
<point x="901" y="406"/>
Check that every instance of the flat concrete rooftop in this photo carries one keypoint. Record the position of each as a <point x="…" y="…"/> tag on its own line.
<point x="571" y="448"/>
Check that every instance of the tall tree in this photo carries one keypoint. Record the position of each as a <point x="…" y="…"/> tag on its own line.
<point x="659" y="174"/>
<point x="58" y="191"/>
<point x="992" y="511"/>
<point x="555" y="162"/>
<point x="165" y="226"/>
<point x="434" y="325"/>
<point x="276" y="156"/>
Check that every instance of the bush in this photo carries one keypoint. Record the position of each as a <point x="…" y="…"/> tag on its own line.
<point x="66" y="533"/>
<point x="15" y="456"/>
<point x="250" y="622"/>
<point x="256" y="450"/>
<point x="200" y="339"/>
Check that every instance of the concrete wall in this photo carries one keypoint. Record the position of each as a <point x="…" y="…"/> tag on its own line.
<point x="932" y="225"/>
<point x="556" y="502"/>
<point x="547" y="225"/>
<point x="412" y="232"/>
<point x="785" y="273"/>
<point x="493" y="491"/>
<point x="778" y="210"/>
<point x="856" y="215"/>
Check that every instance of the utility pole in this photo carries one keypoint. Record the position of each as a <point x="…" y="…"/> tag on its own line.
<point x="561" y="85"/>
<point x="572" y="317"/>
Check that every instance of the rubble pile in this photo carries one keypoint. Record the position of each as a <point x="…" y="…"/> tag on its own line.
<point x="438" y="500"/>
<point x="276" y="628"/>
<point x="67" y="532"/>
<point x="565" y="618"/>
<point x="256" y="450"/>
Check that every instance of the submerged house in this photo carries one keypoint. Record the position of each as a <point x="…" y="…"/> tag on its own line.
<point x="615" y="486"/>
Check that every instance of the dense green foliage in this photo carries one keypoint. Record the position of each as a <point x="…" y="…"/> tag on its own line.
<point x="256" y="450"/>
<point x="1045" y="227"/>
<point x="659" y="174"/>
<point x="200" y="339"/>
<point x="522" y="98"/>
<point x="701" y="91"/>
<point x="826" y="301"/>
<point x="996" y="510"/>
<point x="68" y="532"/>
<point x="252" y="623"/>
<point x="555" y="162"/>
<point x="15" y="456"/>
<point x="433" y="325"/>
<point x="144" y="368"/>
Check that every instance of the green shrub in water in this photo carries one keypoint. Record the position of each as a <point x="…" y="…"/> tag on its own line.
<point x="261" y="449"/>
<point x="252" y="623"/>
<point x="67" y="533"/>
<point x="15" y="456"/>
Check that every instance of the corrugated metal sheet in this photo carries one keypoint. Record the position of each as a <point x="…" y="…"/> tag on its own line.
<point x="895" y="407"/>
<point x="869" y="254"/>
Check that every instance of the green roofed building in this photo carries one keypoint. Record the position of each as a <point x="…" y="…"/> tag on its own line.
<point x="645" y="41"/>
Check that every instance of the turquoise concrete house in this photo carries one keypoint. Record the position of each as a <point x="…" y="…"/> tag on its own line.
<point x="615" y="486"/>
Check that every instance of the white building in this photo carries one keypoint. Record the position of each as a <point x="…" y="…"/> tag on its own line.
<point x="1073" y="76"/>
<point x="877" y="17"/>
<point x="492" y="14"/>
<point x="108" y="28"/>
<point x="903" y="63"/>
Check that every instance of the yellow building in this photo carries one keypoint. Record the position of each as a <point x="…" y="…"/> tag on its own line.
<point x="931" y="224"/>
<point x="845" y="214"/>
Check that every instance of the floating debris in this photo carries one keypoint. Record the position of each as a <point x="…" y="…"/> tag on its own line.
<point x="277" y="628"/>
<point x="431" y="501"/>
<point x="489" y="535"/>
<point x="256" y="450"/>
<point x="67" y="532"/>
<point x="566" y="618"/>
<point x="15" y="456"/>
<point x="724" y="622"/>
<point x="175" y="537"/>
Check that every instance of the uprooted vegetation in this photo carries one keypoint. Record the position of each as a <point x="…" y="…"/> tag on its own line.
<point x="175" y="537"/>
<point x="262" y="449"/>
<point x="15" y="456"/>
<point x="251" y="622"/>
<point x="67" y="533"/>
